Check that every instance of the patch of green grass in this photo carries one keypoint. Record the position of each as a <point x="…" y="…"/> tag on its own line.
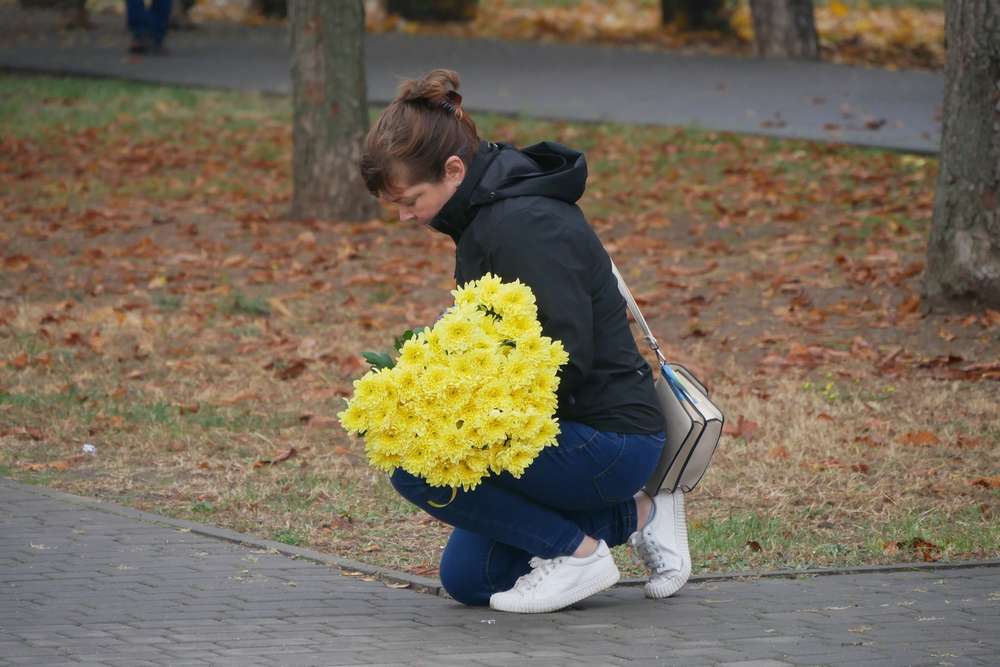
<point x="728" y="543"/>
<point x="145" y="413"/>
<point x="31" y="105"/>
<point x="267" y="151"/>
<point x="381" y="294"/>
<point x="969" y="531"/>
<point x="292" y="537"/>
<point x="85" y="407"/>
<point x="203" y="507"/>
<point x="71" y="400"/>
<point x="212" y="417"/>
<point x="167" y="302"/>
<point x="255" y="306"/>
<point x="157" y="188"/>
<point x="874" y="393"/>
<point x="247" y="331"/>
<point x="29" y="342"/>
<point x="833" y="391"/>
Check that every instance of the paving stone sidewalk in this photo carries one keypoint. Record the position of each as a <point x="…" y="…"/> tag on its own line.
<point x="83" y="583"/>
<point x="858" y="105"/>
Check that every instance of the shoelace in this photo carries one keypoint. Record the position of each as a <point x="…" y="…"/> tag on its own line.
<point x="651" y="554"/>
<point x="540" y="567"/>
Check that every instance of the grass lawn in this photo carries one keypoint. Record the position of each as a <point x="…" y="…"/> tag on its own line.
<point x="156" y="303"/>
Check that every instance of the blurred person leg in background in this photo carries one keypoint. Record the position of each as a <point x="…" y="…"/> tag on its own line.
<point x="148" y="25"/>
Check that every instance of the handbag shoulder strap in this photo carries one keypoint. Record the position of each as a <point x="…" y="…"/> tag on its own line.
<point x="678" y="388"/>
<point x="633" y="308"/>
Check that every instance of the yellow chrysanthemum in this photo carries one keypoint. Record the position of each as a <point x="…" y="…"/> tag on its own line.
<point x="485" y="361"/>
<point x="518" y="326"/>
<point x="472" y="396"/>
<point x="406" y="379"/>
<point x="490" y="393"/>
<point x="513" y="296"/>
<point x="534" y="349"/>
<point x="486" y="288"/>
<point x="455" y="334"/>
<point x="557" y="353"/>
<point x="414" y="352"/>
<point x="433" y="379"/>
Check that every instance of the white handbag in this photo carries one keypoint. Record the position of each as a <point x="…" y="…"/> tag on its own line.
<point x="693" y="423"/>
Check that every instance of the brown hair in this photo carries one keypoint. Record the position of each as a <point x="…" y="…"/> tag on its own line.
<point x="417" y="133"/>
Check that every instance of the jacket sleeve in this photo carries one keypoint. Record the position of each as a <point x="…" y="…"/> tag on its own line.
<point x="554" y="260"/>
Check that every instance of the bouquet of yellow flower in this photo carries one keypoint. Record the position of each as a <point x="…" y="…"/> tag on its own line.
<point x="475" y="394"/>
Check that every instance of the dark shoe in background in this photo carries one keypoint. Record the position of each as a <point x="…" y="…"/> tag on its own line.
<point x="140" y="45"/>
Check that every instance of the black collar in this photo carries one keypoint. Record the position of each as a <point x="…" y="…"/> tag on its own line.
<point x="459" y="210"/>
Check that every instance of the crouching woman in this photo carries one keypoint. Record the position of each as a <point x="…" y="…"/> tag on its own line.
<point x="540" y="542"/>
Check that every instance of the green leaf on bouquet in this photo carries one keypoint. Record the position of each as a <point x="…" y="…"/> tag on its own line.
<point x="407" y="335"/>
<point x="379" y="360"/>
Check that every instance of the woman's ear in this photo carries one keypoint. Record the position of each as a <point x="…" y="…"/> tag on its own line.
<point x="454" y="170"/>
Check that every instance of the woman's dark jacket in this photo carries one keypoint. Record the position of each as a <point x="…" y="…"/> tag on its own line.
<point x="515" y="216"/>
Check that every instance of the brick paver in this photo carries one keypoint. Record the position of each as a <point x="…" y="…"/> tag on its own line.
<point x="80" y="585"/>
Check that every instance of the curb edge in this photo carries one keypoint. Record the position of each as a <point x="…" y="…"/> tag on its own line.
<point x="427" y="584"/>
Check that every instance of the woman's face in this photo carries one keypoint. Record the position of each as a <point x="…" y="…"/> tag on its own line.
<point x="420" y="202"/>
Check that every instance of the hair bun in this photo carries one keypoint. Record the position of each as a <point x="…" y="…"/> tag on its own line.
<point x="437" y="86"/>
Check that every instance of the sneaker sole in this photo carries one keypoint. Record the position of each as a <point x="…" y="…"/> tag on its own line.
<point x="656" y="589"/>
<point x="570" y="597"/>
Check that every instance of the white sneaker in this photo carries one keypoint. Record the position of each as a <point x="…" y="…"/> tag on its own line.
<point x="555" y="583"/>
<point x="663" y="545"/>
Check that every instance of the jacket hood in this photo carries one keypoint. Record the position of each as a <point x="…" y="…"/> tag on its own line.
<point x="500" y="171"/>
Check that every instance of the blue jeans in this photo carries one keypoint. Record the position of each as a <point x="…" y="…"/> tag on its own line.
<point x="582" y="486"/>
<point x="151" y="22"/>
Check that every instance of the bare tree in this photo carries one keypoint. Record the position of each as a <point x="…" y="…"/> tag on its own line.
<point x="330" y="109"/>
<point x="963" y="254"/>
<point x="785" y="28"/>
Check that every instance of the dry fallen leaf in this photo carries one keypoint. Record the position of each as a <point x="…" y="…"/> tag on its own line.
<point x="60" y="465"/>
<point x="988" y="482"/>
<point x="23" y="432"/>
<point x="323" y="421"/>
<point x="743" y="428"/>
<point x="778" y="452"/>
<point x="920" y="439"/>
<point x="238" y="398"/>
<point x="292" y="371"/>
<point x="278" y="458"/>
<point x="279" y="306"/>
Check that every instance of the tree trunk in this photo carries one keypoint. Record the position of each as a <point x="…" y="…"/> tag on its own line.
<point x="963" y="254"/>
<point x="694" y="14"/>
<point x="330" y="110"/>
<point x="785" y="28"/>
